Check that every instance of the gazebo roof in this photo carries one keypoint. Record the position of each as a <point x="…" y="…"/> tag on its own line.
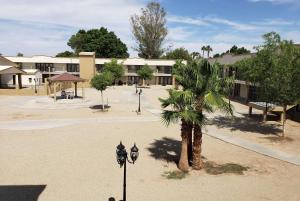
<point x="66" y="77"/>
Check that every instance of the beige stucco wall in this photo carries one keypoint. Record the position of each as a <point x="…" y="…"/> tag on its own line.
<point x="87" y="66"/>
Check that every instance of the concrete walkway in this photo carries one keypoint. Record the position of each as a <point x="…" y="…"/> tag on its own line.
<point x="56" y="123"/>
<point x="258" y="148"/>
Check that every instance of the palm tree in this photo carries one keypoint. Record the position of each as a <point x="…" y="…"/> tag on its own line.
<point x="208" y="49"/>
<point x="203" y="50"/>
<point x="202" y="80"/>
<point x="195" y="55"/>
<point x="180" y="104"/>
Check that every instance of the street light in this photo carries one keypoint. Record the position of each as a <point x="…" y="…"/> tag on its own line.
<point x="35" y="80"/>
<point x="122" y="158"/>
<point x="139" y="109"/>
<point x="136" y="90"/>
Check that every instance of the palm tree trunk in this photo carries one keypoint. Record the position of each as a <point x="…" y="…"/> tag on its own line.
<point x="102" y="101"/>
<point x="190" y="143"/>
<point x="197" y="161"/>
<point x="183" y="164"/>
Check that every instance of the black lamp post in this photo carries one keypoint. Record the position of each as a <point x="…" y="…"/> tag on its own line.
<point x="139" y="109"/>
<point x="122" y="158"/>
<point x="136" y="90"/>
<point x="35" y="80"/>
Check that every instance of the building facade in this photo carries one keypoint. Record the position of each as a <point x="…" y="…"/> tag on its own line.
<point x="86" y="66"/>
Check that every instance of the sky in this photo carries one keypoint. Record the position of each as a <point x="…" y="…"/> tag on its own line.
<point x="38" y="27"/>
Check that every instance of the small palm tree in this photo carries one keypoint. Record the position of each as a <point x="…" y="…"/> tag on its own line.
<point x="203" y="50"/>
<point x="208" y="49"/>
<point x="180" y="107"/>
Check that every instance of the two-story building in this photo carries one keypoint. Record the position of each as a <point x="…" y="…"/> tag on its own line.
<point x="86" y="66"/>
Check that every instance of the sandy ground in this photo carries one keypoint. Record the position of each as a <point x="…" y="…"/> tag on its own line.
<point x="76" y="161"/>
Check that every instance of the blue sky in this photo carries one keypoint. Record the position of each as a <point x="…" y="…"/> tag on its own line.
<point x="36" y="27"/>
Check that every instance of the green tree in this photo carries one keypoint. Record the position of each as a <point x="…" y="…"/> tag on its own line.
<point x="179" y="106"/>
<point x="146" y="73"/>
<point x="195" y="55"/>
<point x="149" y="30"/>
<point x="275" y="72"/>
<point x="66" y="54"/>
<point x="20" y="54"/>
<point x="106" y="44"/>
<point x="100" y="82"/>
<point x="208" y="49"/>
<point x="203" y="48"/>
<point x="179" y="53"/>
<point x="117" y="70"/>
<point x="201" y="78"/>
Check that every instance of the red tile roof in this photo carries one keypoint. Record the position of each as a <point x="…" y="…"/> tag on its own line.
<point x="66" y="77"/>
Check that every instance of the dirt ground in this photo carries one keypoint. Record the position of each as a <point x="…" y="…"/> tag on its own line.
<point x="66" y="151"/>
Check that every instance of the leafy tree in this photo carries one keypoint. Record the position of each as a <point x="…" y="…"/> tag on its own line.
<point x="216" y="55"/>
<point x="179" y="53"/>
<point x="275" y="71"/>
<point x="100" y="82"/>
<point x="117" y="70"/>
<point x="66" y="54"/>
<point x="181" y="108"/>
<point x="202" y="80"/>
<point x="106" y="44"/>
<point x="149" y="30"/>
<point x="20" y="54"/>
<point x="146" y="73"/>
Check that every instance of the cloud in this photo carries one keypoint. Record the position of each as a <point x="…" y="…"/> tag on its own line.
<point x="233" y="24"/>
<point x="211" y="20"/>
<point x="187" y="20"/>
<point x="37" y="21"/>
<point x="295" y="2"/>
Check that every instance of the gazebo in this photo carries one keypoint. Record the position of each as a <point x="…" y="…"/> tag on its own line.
<point x="65" y="78"/>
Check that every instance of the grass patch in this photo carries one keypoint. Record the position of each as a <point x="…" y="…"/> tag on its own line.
<point x="215" y="169"/>
<point x="175" y="174"/>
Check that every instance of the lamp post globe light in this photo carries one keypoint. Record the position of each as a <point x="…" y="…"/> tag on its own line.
<point x="122" y="158"/>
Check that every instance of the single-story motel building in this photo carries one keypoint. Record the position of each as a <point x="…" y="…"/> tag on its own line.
<point x="36" y="69"/>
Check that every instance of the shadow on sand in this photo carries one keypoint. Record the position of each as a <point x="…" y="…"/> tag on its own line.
<point x="99" y="107"/>
<point x="165" y="149"/>
<point x="247" y="124"/>
<point x="21" y="192"/>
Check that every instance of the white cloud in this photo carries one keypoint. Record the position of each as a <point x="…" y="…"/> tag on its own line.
<point x="187" y="20"/>
<point x="293" y="35"/>
<point x="68" y="13"/>
<point x="295" y="2"/>
<point x="180" y="34"/>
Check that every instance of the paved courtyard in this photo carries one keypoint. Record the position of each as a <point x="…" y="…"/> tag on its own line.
<point x="66" y="151"/>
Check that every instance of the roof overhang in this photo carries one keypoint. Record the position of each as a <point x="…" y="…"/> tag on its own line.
<point x="10" y="70"/>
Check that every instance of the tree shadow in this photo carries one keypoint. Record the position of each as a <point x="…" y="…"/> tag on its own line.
<point x="21" y="192"/>
<point x="99" y="107"/>
<point x="165" y="149"/>
<point x="246" y="124"/>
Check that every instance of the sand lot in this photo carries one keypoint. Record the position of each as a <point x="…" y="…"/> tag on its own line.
<point x="65" y="151"/>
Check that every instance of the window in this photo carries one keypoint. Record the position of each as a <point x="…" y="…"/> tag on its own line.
<point x="44" y="67"/>
<point x="72" y="67"/>
<point x="30" y="80"/>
